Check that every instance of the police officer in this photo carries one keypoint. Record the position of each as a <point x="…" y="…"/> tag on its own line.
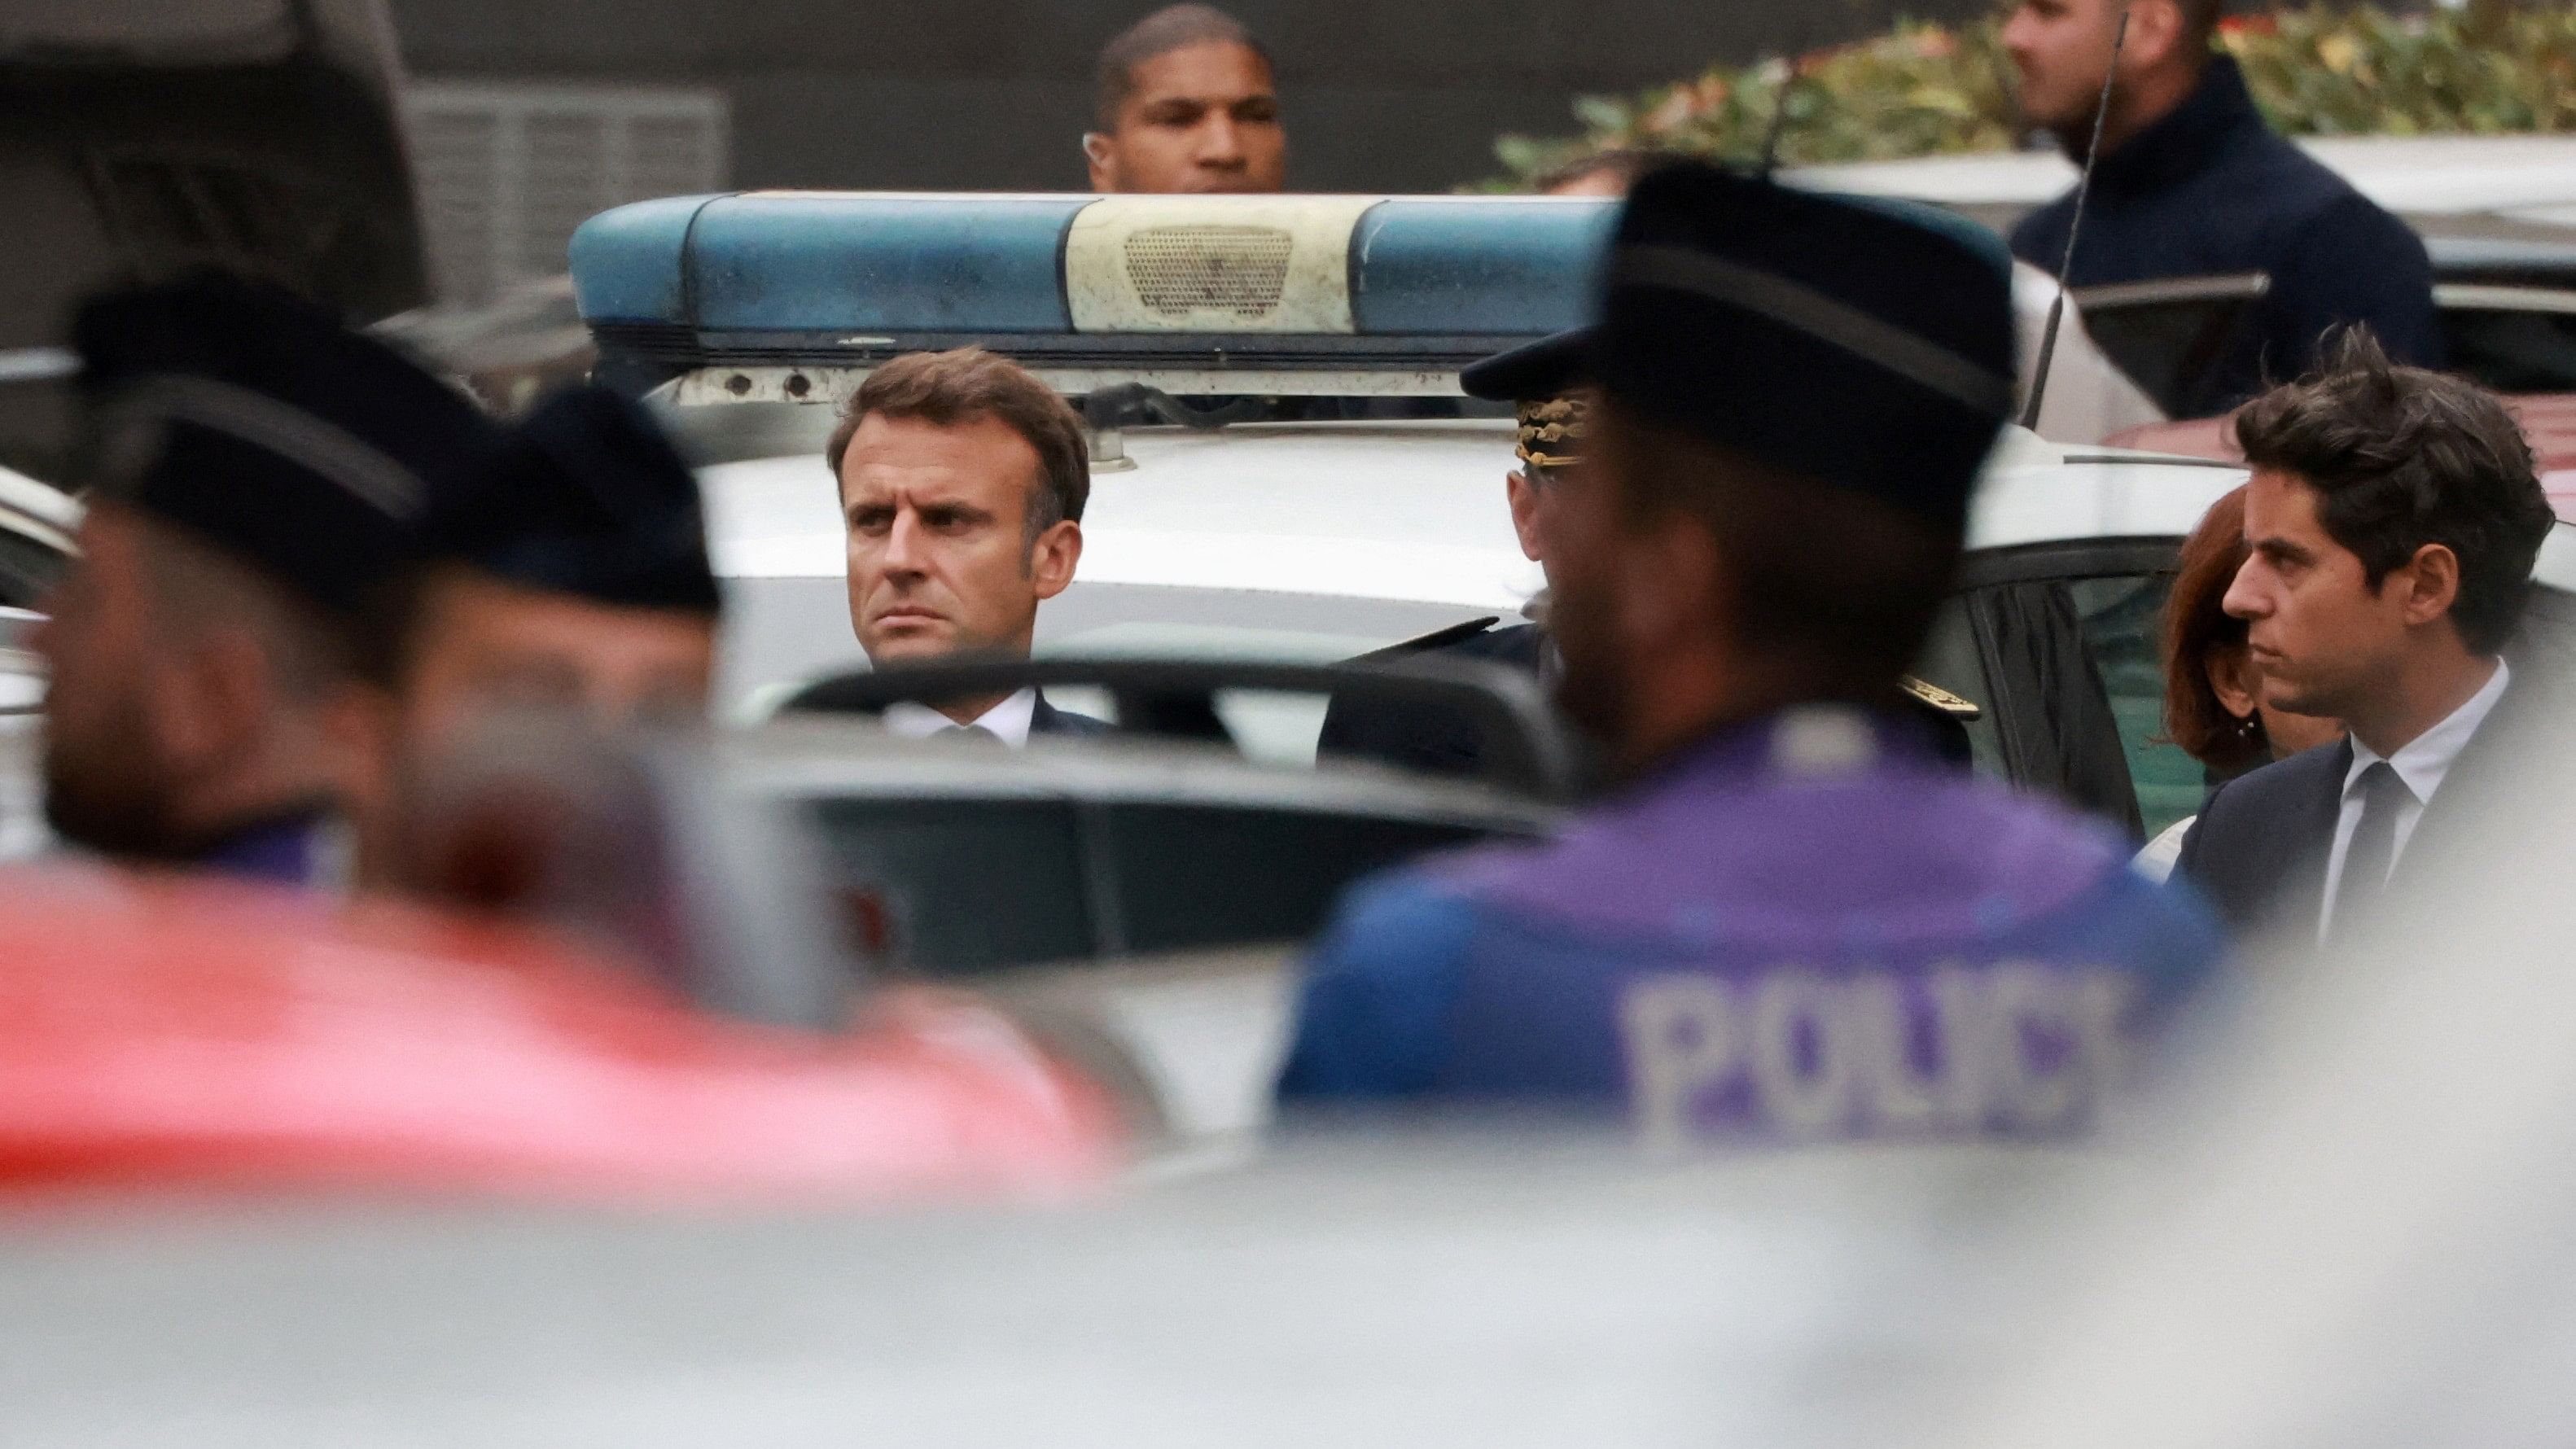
<point x="1789" y="923"/>
<point x="1548" y="386"/>
<point x="253" y="470"/>
<point x="564" y="572"/>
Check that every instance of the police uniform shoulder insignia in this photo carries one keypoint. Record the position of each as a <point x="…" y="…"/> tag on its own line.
<point x="1941" y="700"/>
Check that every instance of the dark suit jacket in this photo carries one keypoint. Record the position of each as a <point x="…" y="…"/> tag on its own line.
<point x="1434" y="742"/>
<point x="2260" y="847"/>
<point x="1049" y="720"/>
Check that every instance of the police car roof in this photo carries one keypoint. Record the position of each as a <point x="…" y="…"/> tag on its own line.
<point x="841" y="278"/>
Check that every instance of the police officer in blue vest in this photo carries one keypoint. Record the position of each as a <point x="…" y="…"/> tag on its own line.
<point x="253" y="471"/>
<point x="1791" y="921"/>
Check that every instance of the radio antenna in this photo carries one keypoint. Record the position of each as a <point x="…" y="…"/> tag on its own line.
<point x="1779" y="120"/>
<point x="2074" y="225"/>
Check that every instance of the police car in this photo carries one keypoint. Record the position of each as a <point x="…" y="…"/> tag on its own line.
<point x="1284" y="466"/>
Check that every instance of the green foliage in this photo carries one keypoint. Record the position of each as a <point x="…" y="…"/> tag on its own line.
<point x="1925" y="89"/>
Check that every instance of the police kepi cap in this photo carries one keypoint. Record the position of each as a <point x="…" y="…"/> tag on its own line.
<point x="1865" y="345"/>
<point x="261" y="424"/>
<point x="1549" y="367"/>
<point x="584" y="496"/>
<point x="1548" y="384"/>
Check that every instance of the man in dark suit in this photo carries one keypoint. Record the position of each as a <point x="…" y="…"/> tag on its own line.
<point x="963" y="479"/>
<point x="2393" y="518"/>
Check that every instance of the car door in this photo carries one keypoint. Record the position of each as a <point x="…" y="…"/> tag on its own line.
<point x="2059" y="644"/>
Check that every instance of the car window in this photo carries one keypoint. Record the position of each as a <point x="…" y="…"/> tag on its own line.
<point x="2512" y="350"/>
<point x="2121" y="616"/>
<point x="969" y="886"/>
<point x="1194" y="876"/>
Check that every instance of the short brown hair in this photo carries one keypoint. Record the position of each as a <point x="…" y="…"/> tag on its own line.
<point x="2198" y="628"/>
<point x="2402" y="457"/>
<point x="1174" y="27"/>
<point x="969" y="384"/>
<point x="1835" y="589"/>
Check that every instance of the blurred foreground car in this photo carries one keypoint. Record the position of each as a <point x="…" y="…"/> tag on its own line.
<point x="1137" y="902"/>
<point x="2344" y="1224"/>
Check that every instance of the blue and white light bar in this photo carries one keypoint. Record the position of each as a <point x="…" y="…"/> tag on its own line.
<point x="786" y="287"/>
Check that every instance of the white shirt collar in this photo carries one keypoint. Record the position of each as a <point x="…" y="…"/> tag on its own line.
<point x="1009" y="720"/>
<point x="2423" y="761"/>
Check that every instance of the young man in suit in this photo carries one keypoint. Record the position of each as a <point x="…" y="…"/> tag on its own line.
<point x="2392" y="519"/>
<point x="963" y="479"/>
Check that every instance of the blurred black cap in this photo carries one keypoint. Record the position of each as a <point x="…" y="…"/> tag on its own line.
<point x="1863" y="344"/>
<point x="584" y="496"/>
<point x="259" y="422"/>
<point x="1549" y="367"/>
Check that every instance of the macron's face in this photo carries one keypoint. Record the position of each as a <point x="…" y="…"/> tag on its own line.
<point x="1203" y="118"/>
<point x="940" y="558"/>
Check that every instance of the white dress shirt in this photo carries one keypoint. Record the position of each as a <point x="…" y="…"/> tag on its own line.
<point x="2421" y="764"/>
<point x="1008" y="721"/>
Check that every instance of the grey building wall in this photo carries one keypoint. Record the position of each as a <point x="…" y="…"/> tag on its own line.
<point x="1399" y="95"/>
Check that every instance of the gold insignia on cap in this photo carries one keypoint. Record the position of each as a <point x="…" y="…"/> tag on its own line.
<point x="1552" y="430"/>
<point x="1955" y="706"/>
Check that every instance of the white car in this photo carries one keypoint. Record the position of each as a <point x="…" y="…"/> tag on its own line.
<point x="1307" y="540"/>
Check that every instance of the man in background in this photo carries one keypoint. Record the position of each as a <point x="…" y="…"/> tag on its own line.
<point x="1187" y="103"/>
<point x="963" y="480"/>
<point x="2192" y="183"/>
<point x="1790" y="921"/>
<point x="254" y="471"/>
<point x="2392" y="522"/>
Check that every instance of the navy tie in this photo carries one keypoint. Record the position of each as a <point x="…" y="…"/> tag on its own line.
<point x="2373" y="850"/>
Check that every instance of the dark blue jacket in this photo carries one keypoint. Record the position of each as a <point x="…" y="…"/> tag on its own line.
<point x="2209" y="190"/>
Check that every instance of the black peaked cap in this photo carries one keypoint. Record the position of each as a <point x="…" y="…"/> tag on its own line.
<point x="1866" y="345"/>
<point x="1549" y="367"/>
<point x="585" y="496"/>
<point x="260" y="423"/>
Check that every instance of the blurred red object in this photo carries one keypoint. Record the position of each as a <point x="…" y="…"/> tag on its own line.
<point x="177" y="1031"/>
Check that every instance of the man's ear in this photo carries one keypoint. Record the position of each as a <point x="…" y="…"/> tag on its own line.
<point x="2229" y="673"/>
<point x="1052" y="558"/>
<point x="1102" y="155"/>
<point x="2156" y="31"/>
<point x="2431" y="580"/>
<point x="1522" y="495"/>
